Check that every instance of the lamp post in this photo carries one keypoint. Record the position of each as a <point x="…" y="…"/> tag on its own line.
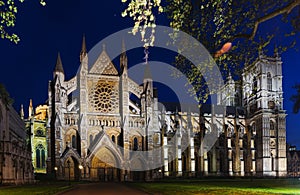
<point x="80" y="168"/>
<point x="252" y="174"/>
<point x="68" y="162"/>
<point x="160" y="173"/>
<point x="55" y="169"/>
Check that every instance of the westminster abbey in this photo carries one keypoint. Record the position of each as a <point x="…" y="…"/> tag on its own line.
<point x="94" y="126"/>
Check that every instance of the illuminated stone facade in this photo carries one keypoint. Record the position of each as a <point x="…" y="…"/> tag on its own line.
<point x="262" y="95"/>
<point x="293" y="159"/>
<point x="261" y="135"/>
<point x="92" y="114"/>
<point x="15" y="151"/>
<point x="36" y="125"/>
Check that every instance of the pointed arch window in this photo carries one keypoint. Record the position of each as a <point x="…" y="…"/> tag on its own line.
<point x="43" y="158"/>
<point x="253" y="128"/>
<point x="40" y="156"/>
<point x="113" y="138"/>
<point x="120" y="139"/>
<point x="269" y="81"/>
<point x="135" y="144"/>
<point x="74" y="141"/>
<point x="184" y="167"/>
<point x="254" y="85"/>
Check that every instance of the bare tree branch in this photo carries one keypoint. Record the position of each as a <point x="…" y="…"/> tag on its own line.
<point x="284" y="10"/>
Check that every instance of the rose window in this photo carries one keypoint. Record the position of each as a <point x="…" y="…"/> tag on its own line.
<point x="103" y="97"/>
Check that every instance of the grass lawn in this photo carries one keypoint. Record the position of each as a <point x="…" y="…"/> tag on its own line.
<point x="222" y="186"/>
<point x="37" y="189"/>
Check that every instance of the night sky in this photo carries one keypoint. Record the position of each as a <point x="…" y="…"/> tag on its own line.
<point x="27" y="67"/>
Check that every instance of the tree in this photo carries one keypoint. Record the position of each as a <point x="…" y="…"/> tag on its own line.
<point x="216" y="22"/>
<point x="8" y="11"/>
<point x="219" y="23"/>
<point x="296" y="99"/>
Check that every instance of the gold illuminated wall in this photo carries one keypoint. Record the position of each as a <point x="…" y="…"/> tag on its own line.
<point x="36" y="125"/>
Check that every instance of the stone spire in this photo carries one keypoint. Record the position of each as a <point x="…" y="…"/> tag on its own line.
<point x="30" y="109"/>
<point x="123" y="58"/>
<point x="147" y="73"/>
<point x="59" y="67"/>
<point x="83" y="49"/>
<point x="22" y="112"/>
<point x="123" y="46"/>
<point x="229" y="77"/>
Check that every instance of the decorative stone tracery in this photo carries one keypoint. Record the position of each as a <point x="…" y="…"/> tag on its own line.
<point x="103" y="96"/>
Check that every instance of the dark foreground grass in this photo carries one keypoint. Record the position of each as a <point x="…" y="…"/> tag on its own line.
<point x="36" y="189"/>
<point x="222" y="186"/>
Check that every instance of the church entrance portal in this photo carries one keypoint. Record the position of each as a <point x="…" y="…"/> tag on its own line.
<point x="107" y="173"/>
<point x="71" y="169"/>
<point x="104" y="171"/>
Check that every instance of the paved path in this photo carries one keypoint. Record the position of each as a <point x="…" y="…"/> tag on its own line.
<point x="104" y="189"/>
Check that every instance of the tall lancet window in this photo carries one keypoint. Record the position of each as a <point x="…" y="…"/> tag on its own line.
<point x="254" y="85"/>
<point x="74" y="141"/>
<point x="43" y="158"/>
<point x="40" y="156"/>
<point x="269" y="81"/>
<point x="272" y="125"/>
<point x="135" y="144"/>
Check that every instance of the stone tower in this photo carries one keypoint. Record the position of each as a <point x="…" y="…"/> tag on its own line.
<point x="35" y="125"/>
<point x="263" y="100"/>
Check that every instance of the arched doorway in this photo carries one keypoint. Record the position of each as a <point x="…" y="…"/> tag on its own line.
<point x="71" y="169"/>
<point x="104" y="170"/>
<point x="138" y="174"/>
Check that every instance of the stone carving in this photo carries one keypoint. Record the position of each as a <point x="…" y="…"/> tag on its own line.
<point x="103" y="96"/>
<point x="104" y="65"/>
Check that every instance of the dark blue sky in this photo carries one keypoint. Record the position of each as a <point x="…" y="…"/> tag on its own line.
<point x="27" y="67"/>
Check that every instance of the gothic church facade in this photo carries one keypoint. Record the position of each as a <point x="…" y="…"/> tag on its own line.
<point x="36" y="127"/>
<point x="102" y="122"/>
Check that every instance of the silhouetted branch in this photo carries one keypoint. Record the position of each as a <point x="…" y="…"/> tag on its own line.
<point x="284" y="10"/>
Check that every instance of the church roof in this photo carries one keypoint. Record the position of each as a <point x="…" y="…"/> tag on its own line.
<point x="59" y="67"/>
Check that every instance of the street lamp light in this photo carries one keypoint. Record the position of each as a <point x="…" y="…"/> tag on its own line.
<point x="80" y="168"/>
<point x="55" y="169"/>
<point x="252" y="174"/>
<point x="68" y="162"/>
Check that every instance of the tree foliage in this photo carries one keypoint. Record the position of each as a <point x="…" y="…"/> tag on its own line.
<point x="217" y="22"/>
<point x="238" y="22"/>
<point x="143" y="14"/>
<point x="8" y="16"/>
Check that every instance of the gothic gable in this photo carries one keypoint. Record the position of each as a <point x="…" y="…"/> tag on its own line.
<point x="70" y="152"/>
<point x="104" y="66"/>
<point x="101" y="141"/>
